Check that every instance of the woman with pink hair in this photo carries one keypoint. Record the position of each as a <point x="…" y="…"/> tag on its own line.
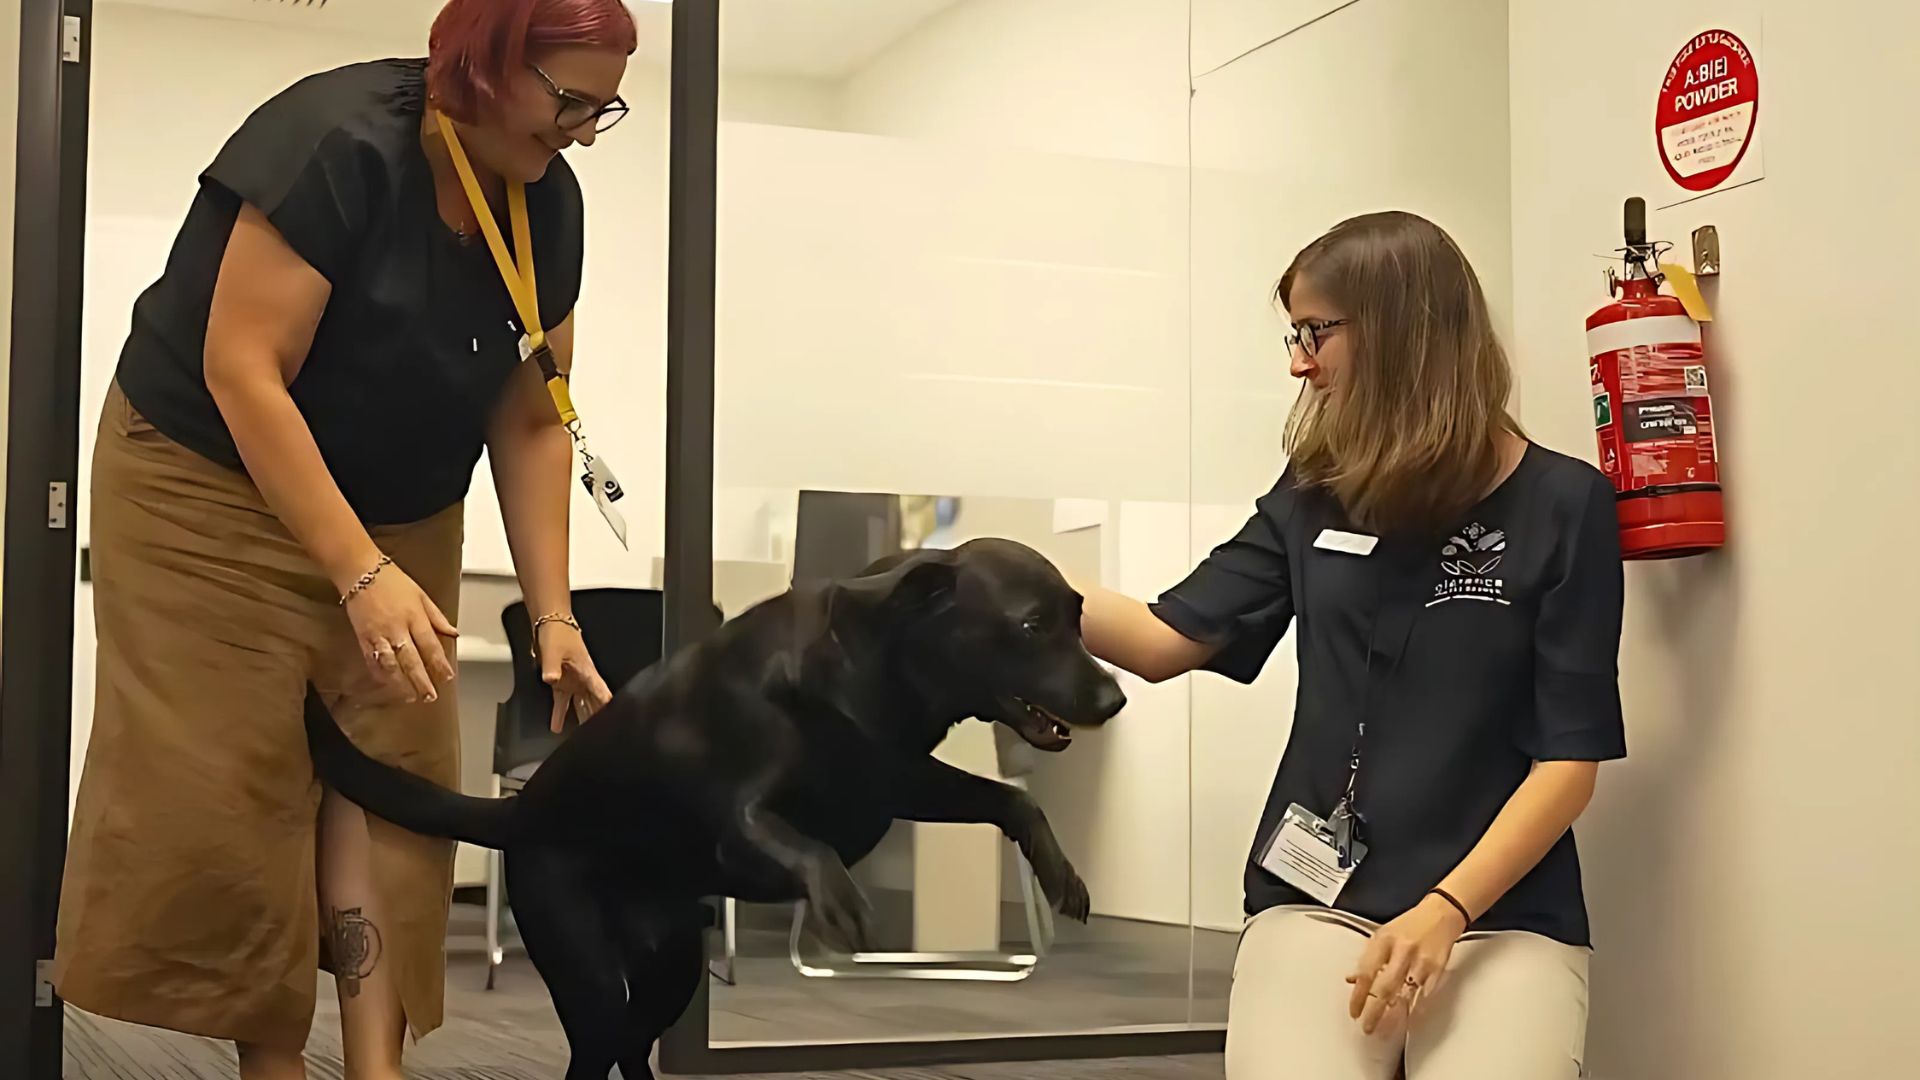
<point x="349" y="315"/>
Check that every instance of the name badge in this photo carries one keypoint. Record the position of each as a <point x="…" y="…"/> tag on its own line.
<point x="1346" y="542"/>
<point x="1302" y="854"/>
<point x="597" y="477"/>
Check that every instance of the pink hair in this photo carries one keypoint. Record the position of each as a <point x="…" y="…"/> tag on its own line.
<point x="477" y="44"/>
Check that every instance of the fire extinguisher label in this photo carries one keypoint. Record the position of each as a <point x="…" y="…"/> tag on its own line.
<point x="1652" y="413"/>
<point x="1661" y="418"/>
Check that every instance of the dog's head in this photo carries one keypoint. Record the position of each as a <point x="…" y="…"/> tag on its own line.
<point x="991" y="628"/>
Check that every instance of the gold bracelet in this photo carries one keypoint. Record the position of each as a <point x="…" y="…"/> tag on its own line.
<point x="366" y="579"/>
<point x="557" y="616"/>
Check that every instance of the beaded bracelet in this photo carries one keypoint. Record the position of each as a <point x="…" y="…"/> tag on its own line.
<point x="366" y="579"/>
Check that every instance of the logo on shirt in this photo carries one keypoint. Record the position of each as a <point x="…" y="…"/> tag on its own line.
<point x="1469" y="562"/>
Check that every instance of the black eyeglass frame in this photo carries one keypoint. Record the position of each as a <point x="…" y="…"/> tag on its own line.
<point x="595" y="111"/>
<point x="1307" y="335"/>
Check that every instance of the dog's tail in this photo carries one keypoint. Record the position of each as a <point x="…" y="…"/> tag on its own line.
<point x="409" y="801"/>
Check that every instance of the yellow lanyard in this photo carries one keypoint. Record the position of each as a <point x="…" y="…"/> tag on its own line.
<point x="516" y="273"/>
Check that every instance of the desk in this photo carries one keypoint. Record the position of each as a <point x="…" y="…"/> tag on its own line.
<point x="482" y="651"/>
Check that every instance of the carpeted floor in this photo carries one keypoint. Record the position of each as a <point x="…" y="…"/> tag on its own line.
<point x="100" y="1049"/>
<point x="1111" y="974"/>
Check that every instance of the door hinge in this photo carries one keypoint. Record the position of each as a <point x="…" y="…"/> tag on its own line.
<point x="70" y="39"/>
<point x="43" y="984"/>
<point x="57" y="505"/>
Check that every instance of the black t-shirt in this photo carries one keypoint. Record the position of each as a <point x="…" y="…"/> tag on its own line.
<point x="420" y="333"/>
<point x="1473" y="656"/>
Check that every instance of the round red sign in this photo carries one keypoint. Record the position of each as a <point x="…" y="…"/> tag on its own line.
<point x="1708" y="105"/>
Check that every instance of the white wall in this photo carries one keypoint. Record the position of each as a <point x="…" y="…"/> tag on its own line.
<point x="1752" y="865"/>
<point x="1091" y="78"/>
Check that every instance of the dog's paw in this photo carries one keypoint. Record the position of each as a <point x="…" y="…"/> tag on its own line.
<point x="842" y="917"/>
<point x="1062" y="885"/>
<point x="1074" y="901"/>
<point x="841" y="929"/>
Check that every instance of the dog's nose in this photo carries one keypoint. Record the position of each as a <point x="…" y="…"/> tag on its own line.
<point x="1108" y="700"/>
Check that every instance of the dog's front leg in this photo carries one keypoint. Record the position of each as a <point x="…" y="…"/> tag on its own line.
<point x="831" y="893"/>
<point x="929" y="789"/>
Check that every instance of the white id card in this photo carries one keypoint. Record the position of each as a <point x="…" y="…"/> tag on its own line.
<point x="1302" y="854"/>
<point x="1349" y="543"/>
<point x="600" y="483"/>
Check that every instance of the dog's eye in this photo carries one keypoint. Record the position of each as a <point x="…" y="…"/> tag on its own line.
<point x="1032" y="625"/>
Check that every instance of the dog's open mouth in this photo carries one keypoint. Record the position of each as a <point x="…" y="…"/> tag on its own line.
<point x="1041" y="728"/>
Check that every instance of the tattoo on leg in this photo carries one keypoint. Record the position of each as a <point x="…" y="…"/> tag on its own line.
<point x="355" y="943"/>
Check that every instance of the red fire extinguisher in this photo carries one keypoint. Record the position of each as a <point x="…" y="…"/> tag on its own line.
<point x="1653" y="410"/>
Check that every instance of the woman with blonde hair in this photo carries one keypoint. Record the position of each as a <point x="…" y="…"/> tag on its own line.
<point x="1413" y="892"/>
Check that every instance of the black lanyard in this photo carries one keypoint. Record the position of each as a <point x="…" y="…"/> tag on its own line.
<point x="1394" y="613"/>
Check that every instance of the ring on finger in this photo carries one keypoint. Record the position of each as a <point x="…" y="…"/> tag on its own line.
<point x="398" y="645"/>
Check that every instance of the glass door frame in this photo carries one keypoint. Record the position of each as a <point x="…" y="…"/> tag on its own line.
<point x="693" y="185"/>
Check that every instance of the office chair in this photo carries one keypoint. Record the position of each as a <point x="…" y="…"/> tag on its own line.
<point x="624" y="631"/>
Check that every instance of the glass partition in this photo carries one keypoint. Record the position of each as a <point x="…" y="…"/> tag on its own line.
<point x="952" y="302"/>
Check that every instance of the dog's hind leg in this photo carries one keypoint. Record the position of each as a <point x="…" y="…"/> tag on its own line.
<point x="573" y="945"/>
<point x="665" y="960"/>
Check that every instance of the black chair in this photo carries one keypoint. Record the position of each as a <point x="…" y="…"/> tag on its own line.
<point x="624" y="630"/>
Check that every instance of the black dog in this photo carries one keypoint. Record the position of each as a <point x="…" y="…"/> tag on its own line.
<point x="761" y="763"/>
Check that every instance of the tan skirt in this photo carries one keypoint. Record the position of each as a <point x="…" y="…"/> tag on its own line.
<point x="189" y="898"/>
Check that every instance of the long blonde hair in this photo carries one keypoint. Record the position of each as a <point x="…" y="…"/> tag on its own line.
<point x="1408" y="443"/>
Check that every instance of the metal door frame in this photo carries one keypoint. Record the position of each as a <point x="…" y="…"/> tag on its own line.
<point x="43" y="436"/>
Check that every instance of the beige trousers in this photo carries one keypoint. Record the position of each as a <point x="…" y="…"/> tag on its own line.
<point x="1512" y="1006"/>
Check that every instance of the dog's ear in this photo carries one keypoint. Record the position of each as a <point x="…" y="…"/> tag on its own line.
<point x="922" y="582"/>
<point x="923" y="587"/>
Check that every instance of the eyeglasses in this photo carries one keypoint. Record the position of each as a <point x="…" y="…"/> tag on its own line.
<point x="577" y="110"/>
<point x="1307" y="335"/>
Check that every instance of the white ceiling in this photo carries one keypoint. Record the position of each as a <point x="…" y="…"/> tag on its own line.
<point x="816" y="39"/>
